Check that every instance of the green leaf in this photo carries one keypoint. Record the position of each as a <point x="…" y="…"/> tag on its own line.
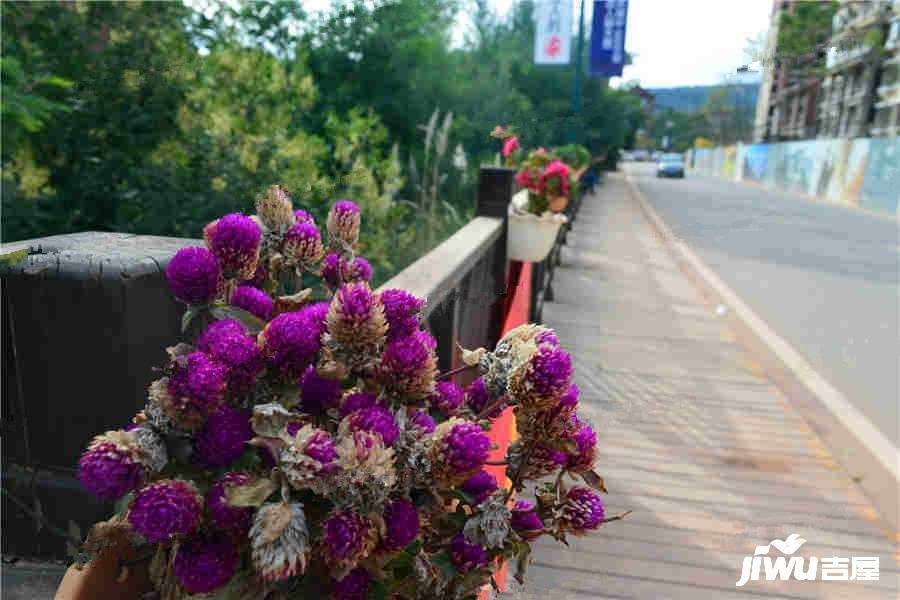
<point x="253" y="323"/>
<point x="377" y="591"/>
<point x="253" y="494"/>
<point x="11" y="258"/>
<point x="189" y="315"/>
<point x="248" y="461"/>
<point x="522" y="559"/>
<point x="123" y="503"/>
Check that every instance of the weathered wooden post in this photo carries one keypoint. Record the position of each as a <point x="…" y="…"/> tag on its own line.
<point x="495" y="190"/>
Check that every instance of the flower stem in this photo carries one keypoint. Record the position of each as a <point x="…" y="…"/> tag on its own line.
<point x="455" y="371"/>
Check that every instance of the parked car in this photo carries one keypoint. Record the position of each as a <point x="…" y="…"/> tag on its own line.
<point x="670" y="165"/>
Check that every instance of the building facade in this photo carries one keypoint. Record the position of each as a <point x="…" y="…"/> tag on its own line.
<point x="856" y="59"/>
<point x="849" y="87"/>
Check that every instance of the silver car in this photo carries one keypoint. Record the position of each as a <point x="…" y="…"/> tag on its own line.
<point x="670" y="165"/>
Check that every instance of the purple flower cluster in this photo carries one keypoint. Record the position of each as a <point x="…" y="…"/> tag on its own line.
<point x="223" y="438"/>
<point x="291" y="340"/>
<point x="585" y="440"/>
<point x="356" y="317"/>
<point x="321" y="447"/>
<point x="204" y="563"/>
<point x="221" y="514"/>
<point x="227" y="342"/>
<point x="465" y="555"/>
<point x="582" y="510"/>
<point x="401" y="309"/>
<point x="401" y="522"/>
<point x="354" y="401"/>
<point x="234" y="241"/>
<point x="197" y="386"/>
<point x="376" y="419"/>
<point x="346" y="538"/>
<point x="548" y="374"/>
<point x="478" y="398"/>
<point x="464" y="449"/>
<point x="337" y="270"/>
<point x="194" y="276"/>
<point x="166" y="508"/>
<point x="303" y="243"/>
<point x="354" y="586"/>
<point x="409" y="365"/>
<point x="109" y="471"/>
<point x="447" y="398"/>
<point x="525" y="520"/>
<point x="480" y="486"/>
<point x="422" y="421"/>
<point x="254" y="301"/>
<point x="318" y="394"/>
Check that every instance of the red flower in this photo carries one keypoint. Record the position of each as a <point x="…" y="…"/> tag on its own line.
<point x="556" y="178"/>
<point x="510" y="145"/>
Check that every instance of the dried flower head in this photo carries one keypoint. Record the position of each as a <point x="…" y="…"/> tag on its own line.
<point x="448" y="398"/>
<point x="543" y="379"/>
<point x="460" y="449"/>
<point x="110" y="467"/>
<point x="309" y="454"/>
<point x="401" y="524"/>
<point x="355" y="319"/>
<point x="254" y="301"/>
<point x="489" y="526"/>
<point x="343" y="222"/>
<point x="223" y="438"/>
<point x="275" y="209"/>
<point x="375" y="419"/>
<point x="196" y="388"/>
<point x="303" y="244"/>
<point x="291" y="340"/>
<point x="227" y="342"/>
<point x="347" y="538"/>
<point x="166" y="508"/>
<point x="401" y="309"/>
<point x="355" y="400"/>
<point x="409" y="366"/>
<point x="222" y="515"/>
<point x="525" y="520"/>
<point x="466" y="555"/>
<point x="354" y="585"/>
<point x="582" y="510"/>
<point x="279" y="541"/>
<point x="480" y="486"/>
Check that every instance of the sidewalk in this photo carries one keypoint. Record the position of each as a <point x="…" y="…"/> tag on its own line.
<point x="693" y="438"/>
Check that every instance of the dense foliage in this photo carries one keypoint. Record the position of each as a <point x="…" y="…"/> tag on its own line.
<point x="153" y="117"/>
<point x="305" y="446"/>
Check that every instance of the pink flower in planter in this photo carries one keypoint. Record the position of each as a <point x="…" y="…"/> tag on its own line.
<point x="555" y="178"/>
<point x="510" y="145"/>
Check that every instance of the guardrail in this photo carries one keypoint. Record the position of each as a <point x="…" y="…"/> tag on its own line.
<point x="86" y="318"/>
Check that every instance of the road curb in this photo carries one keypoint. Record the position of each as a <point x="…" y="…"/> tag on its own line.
<point x="870" y="458"/>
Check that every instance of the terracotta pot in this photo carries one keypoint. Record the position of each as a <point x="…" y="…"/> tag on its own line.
<point x="106" y="578"/>
<point x="558" y="204"/>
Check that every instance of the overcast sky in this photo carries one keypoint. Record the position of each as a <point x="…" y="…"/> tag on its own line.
<point x="674" y="42"/>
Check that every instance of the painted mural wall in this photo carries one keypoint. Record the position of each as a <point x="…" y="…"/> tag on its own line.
<point x="862" y="172"/>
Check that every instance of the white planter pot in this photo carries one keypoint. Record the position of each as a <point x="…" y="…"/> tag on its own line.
<point x="530" y="238"/>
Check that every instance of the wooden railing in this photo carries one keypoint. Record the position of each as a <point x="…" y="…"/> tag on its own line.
<point x="86" y="318"/>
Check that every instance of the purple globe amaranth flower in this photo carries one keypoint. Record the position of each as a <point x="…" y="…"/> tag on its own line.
<point x="401" y="524"/>
<point x="480" y="486"/>
<point x="543" y="379"/>
<point x="478" y="398"/>
<point x="376" y="419"/>
<point x="343" y="222"/>
<point x="401" y="309"/>
<point x="447" y="398"/>
<point x="547" y="336"/>
<point x="196" y="387"/>
<point x="422" y="421"/>
<point x="333" y="270"/>
<point x="205" y="562"/>
<point x="303" y="243"/>
<point x="465" y="555"/>
<point x="582" y="510"/>
<point x="354" y="586"/>
<point x="543" y="460"/>
<point x="461" y="449"/>
<point x="234" y="240"/>
<point x="318" y="394"/>
<point x="227" y="342"/>
<point x="409" y="365"/>
<point x="223" y="438"/>
<point x="290" y="342"/>
<point x="302" y="216"/>
<point x="354" y="401"/>
<point x="585" y="440"/>
<point x="222" y="515"/>
<point x="254" y="301"/>
<point x="525" y="520"/>
<point x="110" y="470"/>
<point x="275" y="209"/>
<point x="358" y="269"/>
<point x="166" y="508"/>
<point x="346" y="539"/>
<point x="356" y="318"/>
<point x="310" y="453"/>
<point x="194" y="276"/>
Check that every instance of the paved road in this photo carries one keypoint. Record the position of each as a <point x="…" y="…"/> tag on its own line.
<point x="824" y="277"/>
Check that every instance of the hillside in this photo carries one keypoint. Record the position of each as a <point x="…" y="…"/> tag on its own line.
<point x="691" y="98"/>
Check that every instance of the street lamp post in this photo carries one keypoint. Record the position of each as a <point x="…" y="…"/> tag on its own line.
<point x="576" y="80"/>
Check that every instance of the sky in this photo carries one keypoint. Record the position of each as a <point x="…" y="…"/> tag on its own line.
<point x="673" y="42"/>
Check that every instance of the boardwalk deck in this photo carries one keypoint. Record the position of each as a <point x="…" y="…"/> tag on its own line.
<point x="694" y="439"/>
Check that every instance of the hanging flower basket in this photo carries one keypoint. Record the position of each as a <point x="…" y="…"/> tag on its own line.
<point x="530" y="237"/>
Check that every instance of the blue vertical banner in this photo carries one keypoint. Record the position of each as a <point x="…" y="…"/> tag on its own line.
<point x="608" y="37"/>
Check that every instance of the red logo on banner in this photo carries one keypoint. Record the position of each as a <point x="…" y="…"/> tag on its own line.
<point x="552" y="47"/>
